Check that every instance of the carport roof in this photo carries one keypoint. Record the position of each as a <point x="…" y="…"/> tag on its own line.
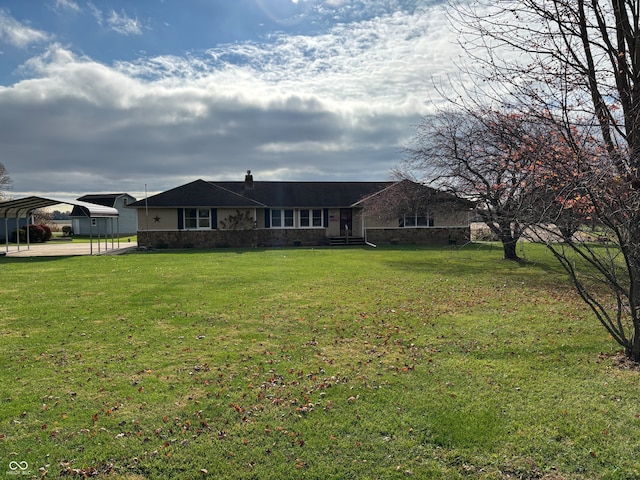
<point x="23" y="207"/>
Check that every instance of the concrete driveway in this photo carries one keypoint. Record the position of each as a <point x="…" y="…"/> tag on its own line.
<point x="64" y="249"/>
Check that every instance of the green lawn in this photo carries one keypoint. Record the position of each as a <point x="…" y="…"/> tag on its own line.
<point x="428" y="363"/>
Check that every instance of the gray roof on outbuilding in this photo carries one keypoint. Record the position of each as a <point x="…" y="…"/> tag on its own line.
<point x="23" y="207"/>
<point x="105" y="199"/>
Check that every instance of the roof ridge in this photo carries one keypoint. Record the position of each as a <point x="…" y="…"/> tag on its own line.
<point x="239" y="182"/>
<point x="237" y="194"/>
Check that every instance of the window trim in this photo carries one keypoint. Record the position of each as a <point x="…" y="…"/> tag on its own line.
<point x="311" y="218"/>
<point x="197" y="218"/>
<point x="282" y="216"/>
<point x="429" y="220"/>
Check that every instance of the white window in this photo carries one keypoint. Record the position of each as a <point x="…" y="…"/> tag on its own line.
<point x="311" y="218"/>
<point x="197" y="218"/>
<point x="282" y="218"/>
<point x="417" y="220"/>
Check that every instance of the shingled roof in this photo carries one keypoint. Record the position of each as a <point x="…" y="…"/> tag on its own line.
<point x="201" y="193"/>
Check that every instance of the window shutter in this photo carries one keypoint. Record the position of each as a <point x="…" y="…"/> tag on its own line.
<point x="326" y="217"/>
<point x="267" y="218"/>
<point x="214" y="219"/>
<point x="180" y="219"/>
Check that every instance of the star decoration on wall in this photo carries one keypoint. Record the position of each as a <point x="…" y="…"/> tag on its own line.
<point x="156" y="219"/>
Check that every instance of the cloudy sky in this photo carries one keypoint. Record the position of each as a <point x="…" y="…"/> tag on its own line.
<point x="113" y="96"/>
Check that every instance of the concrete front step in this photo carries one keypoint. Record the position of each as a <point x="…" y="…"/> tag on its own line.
<point x="336" y="241"/>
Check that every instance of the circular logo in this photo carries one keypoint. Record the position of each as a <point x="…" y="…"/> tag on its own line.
<point x="18" y="465"/>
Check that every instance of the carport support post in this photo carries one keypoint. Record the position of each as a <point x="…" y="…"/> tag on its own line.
<point x="6" y="233"/>
<point x="18" y="231"/>
<point x="29" y="222"/>
<point x="116" y="233"/>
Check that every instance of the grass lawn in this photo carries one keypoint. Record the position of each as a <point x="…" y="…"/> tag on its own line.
<point x="399" y="362"/>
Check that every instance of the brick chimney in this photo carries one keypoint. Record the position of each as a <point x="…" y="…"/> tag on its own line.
<point x="248" y="180"/>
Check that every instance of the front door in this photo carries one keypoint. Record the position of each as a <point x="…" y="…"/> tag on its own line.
<point x="346" y="222"/>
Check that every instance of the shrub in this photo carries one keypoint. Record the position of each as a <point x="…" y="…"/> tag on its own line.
<point x="37" y="234"/>
<point x="47" y="232"/>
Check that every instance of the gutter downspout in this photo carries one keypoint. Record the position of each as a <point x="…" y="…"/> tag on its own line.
<point x="364" y="231"/>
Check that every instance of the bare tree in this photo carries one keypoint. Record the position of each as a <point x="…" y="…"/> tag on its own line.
<point x="42" y="217"/>
<point x="576" y="63"/>
<point x="5" y="181"/>
<point x="493" y="158"/>
<point x="410" y="197"/>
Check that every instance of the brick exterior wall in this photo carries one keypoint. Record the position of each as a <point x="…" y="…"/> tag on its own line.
<point x="231" y="238"/>
<point x="419" y="236"/>
<point x="289" y="238"/>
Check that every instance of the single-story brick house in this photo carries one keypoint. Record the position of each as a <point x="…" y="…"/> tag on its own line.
<point x="206" y="214"/>
<point x="81" y="224"/>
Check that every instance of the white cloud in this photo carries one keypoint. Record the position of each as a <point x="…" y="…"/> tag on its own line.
<point x="122" y="23"/>
<point x="383" y="64"/>
<point x="19" y="34"/>
<point x="333" y="106"/>
<point x="60" y="5"/>
<point x="118" y="22"/>
<point x="96" y="12"/>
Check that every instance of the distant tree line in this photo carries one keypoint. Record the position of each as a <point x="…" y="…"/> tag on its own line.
<point x="58" y="215"/>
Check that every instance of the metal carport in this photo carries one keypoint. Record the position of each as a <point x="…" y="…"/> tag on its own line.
<point x="24" y="208"/>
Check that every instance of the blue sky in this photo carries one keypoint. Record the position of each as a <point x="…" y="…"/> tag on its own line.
<point x="112" y="96"/>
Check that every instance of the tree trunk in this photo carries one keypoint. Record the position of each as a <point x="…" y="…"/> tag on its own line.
<point x="509" y="247"/>
<point x="509" y="242"/>
<point x="632" y="254"/>
<point x="632" y="352"/>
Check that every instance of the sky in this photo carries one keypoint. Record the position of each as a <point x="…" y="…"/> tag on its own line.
<point x="117" y="96"/>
